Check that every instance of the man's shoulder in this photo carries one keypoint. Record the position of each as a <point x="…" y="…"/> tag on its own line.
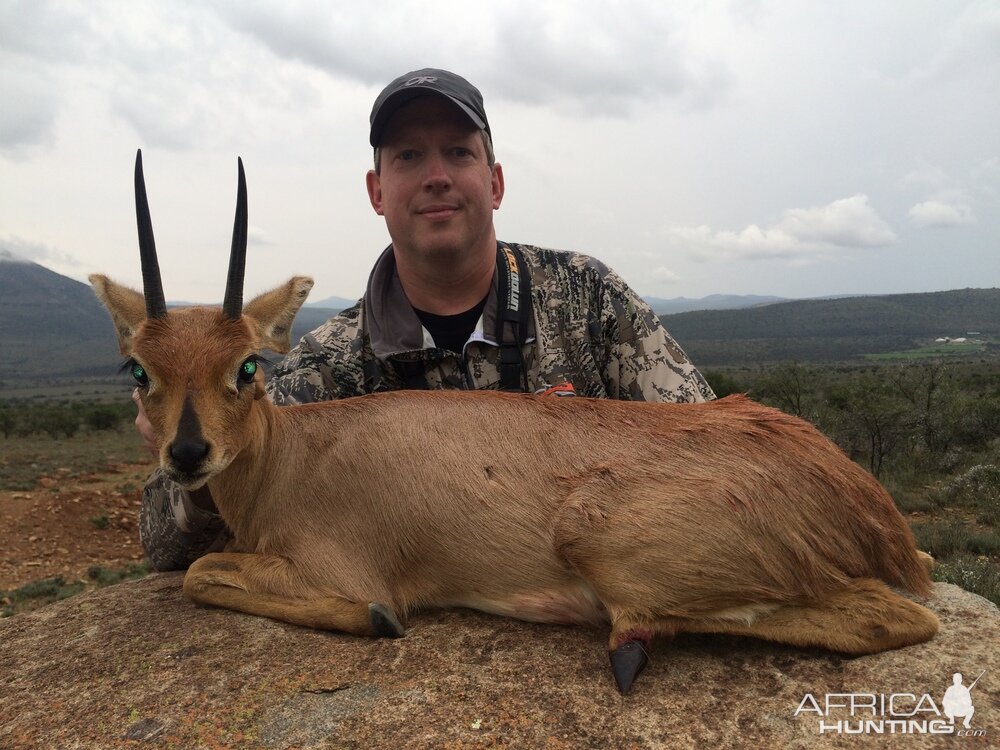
<point x="548" y="258"/>
<point x="339" y="331"/>
<point x="341" y="337"/>
<point x="327" y="363"/>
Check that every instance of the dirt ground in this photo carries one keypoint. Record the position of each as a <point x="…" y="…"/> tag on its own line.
<point x="67" y="524"/>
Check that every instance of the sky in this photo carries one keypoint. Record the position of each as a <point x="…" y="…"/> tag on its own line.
<point x="788" y="148"/>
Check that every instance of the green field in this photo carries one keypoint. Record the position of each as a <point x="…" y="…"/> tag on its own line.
<point x="24" y="459"/>
<point x="103" y="390"/>
<point x="931" y="351"/>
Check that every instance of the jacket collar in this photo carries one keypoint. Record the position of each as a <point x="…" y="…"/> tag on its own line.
<point x="392" y="325"/>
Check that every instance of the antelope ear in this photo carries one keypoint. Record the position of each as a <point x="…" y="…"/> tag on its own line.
<point x="127" y="308"/>
<point x="271" y="314"/>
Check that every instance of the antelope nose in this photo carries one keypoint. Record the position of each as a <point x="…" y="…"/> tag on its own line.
<point x="188" y="454"/>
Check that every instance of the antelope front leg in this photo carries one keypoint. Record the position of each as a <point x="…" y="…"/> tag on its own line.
<point x="268" y="586"/>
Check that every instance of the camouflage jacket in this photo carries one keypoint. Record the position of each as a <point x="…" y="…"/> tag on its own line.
<point x="588" y="328"/>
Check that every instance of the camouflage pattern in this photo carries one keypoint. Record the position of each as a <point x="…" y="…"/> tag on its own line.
<point x="174" y="532"/>
<point x="589" y="330"/>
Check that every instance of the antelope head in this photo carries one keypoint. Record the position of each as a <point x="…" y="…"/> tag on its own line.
<point x="197" y="368"/>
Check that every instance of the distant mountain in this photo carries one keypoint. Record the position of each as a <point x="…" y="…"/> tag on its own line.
<point x="834" y="329"/>
<point x="711" y="302"/>
<point x="50" y="325"/>
<point x="333" y="303"/>
<point x="53" y="328"/>
<point x="660" y="305"/>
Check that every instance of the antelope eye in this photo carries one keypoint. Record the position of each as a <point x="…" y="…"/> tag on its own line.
<point x="247" y="371"/>
<point x="139" y="374"/>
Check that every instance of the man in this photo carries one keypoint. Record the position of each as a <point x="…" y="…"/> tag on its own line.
<point x="957" y="700"/>
<point x="447" y="306"/>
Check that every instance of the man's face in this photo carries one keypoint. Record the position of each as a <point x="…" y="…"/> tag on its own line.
<point x="435" y="188"/>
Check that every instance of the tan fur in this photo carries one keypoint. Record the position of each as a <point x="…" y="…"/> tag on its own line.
<point x="272" y="313"/>
<point x="127" y="308"/>
<point x="656" y="518"/>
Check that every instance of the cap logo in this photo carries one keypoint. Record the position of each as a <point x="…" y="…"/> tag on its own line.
<point x="421" y="79"/>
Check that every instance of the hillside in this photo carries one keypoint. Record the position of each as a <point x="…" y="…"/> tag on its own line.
<point x="51" y="325"/>
<point x="834" y="329"/>
<point x="712" y="302"/>
<point x="52" y="329"/>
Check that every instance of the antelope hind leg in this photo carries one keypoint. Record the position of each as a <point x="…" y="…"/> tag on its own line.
<point x="867" y="617"/>
<point x="248" y="582"/>
<point x="628" y="645"/>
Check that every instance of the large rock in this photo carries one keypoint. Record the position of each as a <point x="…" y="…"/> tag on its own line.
<point x="138" y="665"/>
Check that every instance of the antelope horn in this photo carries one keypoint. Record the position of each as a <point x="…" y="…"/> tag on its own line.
<point x="232" y="306"/>
<point x="152" y="287"/>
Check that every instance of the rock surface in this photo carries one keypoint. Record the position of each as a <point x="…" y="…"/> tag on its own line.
<point x="138" y="665"/>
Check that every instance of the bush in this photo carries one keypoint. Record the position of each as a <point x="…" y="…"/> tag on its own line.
<point x="102" y="417"/>
<point x="37" y="593"/>
<point x="58" y="420"/>
<point x="722" y="384"/>
<point x="977" y="489"/>
<point x="976" y="574"/>
<point x="7" y="420"/>
<point x="946" y="538"/>
<point x="106" y="577"/>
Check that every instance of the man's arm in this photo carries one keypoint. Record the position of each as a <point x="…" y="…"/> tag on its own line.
<point x="177" y="527"/>
<point x="642" y="361"/>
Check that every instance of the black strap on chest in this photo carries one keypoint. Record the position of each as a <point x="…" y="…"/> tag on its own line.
<point x="513" y="311"/>
<point x="411" y="375"/>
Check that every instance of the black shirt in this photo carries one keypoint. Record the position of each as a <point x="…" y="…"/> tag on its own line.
<point x="451" y="331"/>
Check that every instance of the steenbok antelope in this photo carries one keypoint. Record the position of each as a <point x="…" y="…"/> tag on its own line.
<point x="653" y="519"/>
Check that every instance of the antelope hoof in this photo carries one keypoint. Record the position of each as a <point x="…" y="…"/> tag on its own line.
<point x="627" y="661"/>
<point x="383" y="621"/>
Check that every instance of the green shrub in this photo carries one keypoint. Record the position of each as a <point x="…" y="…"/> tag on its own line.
<point x="102" y="416"/>
<point x="977" y="489"/>
<point x="57" y="420"/>
<point x="979" y="575"/>
<point x="106" y="576"/>
<point x="38" y="593"/>
<point x="7" y="420"/>
<point x="941" y="539"/>
<point x="722" y="384"/>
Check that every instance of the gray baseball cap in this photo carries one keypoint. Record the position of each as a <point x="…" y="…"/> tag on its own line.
<point x="420" y="83"/>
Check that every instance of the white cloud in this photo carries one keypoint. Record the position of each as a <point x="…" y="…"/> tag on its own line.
<point x="971" y="43"/>
<point x="849" y="222"/>
<point x="592" y="59"/>
<point x="934" y="214"/>
<point x="801" y="233"/>
<point x="21" y="249"/>
<point x="926" y="177"/>
<point x="257" y="237"/>
<point x="663" y="275"/>
<point x="30" y="105"/>
<point x="180" y="77"/>
<point x="612" y="119"/>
